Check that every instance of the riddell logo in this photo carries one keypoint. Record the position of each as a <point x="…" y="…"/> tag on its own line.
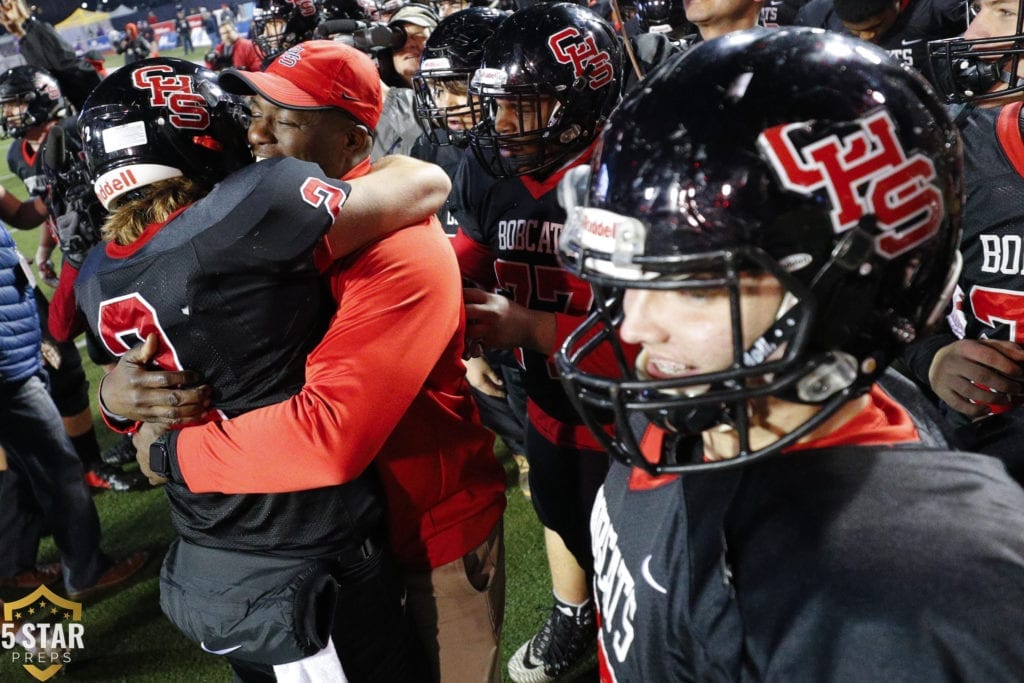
<point x="115" y="185"/>
<point x="599" y="228"/>
<point x="42" y="631"/>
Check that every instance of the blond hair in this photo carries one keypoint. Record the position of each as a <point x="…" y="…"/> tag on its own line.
<point x="126" y="223"/>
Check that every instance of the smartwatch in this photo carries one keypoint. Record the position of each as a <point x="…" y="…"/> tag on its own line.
<point x="160" y="456"/>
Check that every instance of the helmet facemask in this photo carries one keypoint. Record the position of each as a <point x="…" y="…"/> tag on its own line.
<point x="522" y="133"/>
<point x="728" y="393"/>
<point x="16" y="118"/>
<point x="443" y="124"/>
<point x="967" y="69"/>
<point x="846" y="197"/>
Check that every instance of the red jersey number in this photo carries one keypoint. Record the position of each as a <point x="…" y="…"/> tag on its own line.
<point x="994" y="307"/>
<point x="126" y="320"/>
<point x="544" y="288"/>
<point x="316" y="192"/>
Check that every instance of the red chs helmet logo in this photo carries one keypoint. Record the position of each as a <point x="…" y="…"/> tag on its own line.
<point x="187" y="108"/>
<point x="865" y="173"/>
<point x="569" y="46"/>
<point x="47" y="85"/>
<point x="307" y="8"/>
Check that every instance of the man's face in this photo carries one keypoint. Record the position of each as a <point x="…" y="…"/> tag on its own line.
<point x="689" y="332"/>
<point x="228" y="35"/>
<point x="449" y="7"/>
<point x="517" y="116"/>
<point x="406" y="59"/>
<point x="874" y="28"/>
<point x="13" y="114"/>
<point x="711" y="12"/>
<point x="273" y="33"/>
<point x="316" y="136"/>
<point x="993" y="19"/>
<point x="453" y="94"/>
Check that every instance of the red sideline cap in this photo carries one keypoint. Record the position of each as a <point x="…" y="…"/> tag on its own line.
<point x="318" y="74"/>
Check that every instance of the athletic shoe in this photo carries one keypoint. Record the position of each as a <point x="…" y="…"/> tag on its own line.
<point x="40" y="575"/>
<point x="109" y="478"/>
<point x="118" y="573"/>
<point x="563" y="645"/>
<point x="121" y="453"/>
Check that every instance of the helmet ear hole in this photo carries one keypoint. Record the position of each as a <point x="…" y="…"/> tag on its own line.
<point x="570" y="134"/>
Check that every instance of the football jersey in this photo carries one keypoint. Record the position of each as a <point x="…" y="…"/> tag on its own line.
<point x="907" y="39"/>
<point x="229" y="286"/>
<point x="852" y="563"/>
<point x="28" y="164"/>
<point x="775" y="13"/>
<point x="989" y="301"/>
<point x="519" y="219"/>
<point x="448" y="157"/>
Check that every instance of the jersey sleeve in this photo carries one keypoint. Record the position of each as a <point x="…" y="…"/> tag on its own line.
<point x="400" y="307"/>
<point x="476" y="260"/>
<point x="277" y="211"/>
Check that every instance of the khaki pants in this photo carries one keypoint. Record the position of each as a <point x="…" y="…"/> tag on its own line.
<point x="458" y="609"/>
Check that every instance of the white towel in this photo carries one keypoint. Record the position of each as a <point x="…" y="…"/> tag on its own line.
<point x="323" y="667"/>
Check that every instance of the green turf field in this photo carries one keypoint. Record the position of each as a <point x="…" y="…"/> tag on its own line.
<point x="126" y="635"/>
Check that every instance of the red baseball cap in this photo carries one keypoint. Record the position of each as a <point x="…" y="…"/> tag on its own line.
<point x="317" y="74"/>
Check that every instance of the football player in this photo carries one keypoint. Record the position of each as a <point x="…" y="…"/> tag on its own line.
<point x="984" y="65"/>
<point x="901" y="27"/>
<point x="213" y="257"/>
<point x="974" y="363"/>
<point x="549" y="76"/>
<point x="279" y="24"/>
<point x="32" y="108"/>
<point x="41" y="46"/>
<point x="772" y="246"/>
<point x="441" y="95"/>
<point x="400" y="410"/>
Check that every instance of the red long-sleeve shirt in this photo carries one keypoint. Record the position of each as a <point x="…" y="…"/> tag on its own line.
<point x="386" y="385"/>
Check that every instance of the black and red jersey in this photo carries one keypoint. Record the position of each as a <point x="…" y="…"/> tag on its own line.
<point x="27" y="163"/>
<point x="517" y="222"/>
<point x="907" y="40"/>
<point x="866" y="561"/>
<point x="990" y="299"/>
<point x="229" y="286"/>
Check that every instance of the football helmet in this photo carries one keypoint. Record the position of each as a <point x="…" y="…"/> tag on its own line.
<point x="280" y="24"/>
<point x="549" y="77"/>
<point x="29" y="96"/>
<point x="661" y="16"/>
<point x="158" y="119"/>
<point x="451" y="55"/>
<point x="965" y="69"/>
<point x="799" y="153"/>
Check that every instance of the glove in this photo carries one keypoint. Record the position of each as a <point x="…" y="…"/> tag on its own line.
<point x="76" y="233"/>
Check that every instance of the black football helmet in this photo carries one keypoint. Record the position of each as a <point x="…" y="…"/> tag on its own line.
<point x="662" y="16"/>
<point x="451" y="55"/>
<point x="799" y="153"/>
<point x="280" y="24"/>
<point x="29" y="96"/>
<point x="157" y="119"/>
<point x="966" y="69"/>
<point x="556" y="53"/>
